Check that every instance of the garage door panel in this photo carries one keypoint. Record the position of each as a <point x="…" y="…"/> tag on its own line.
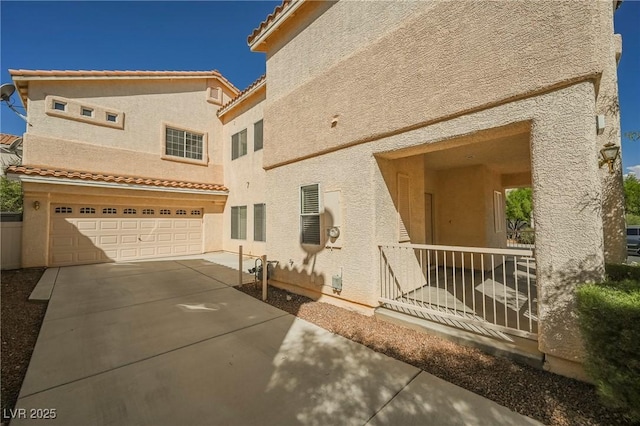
<point x="129" y="224"/>
<point x="62" y="258"/>
<point x="88" y="256"/>
<point x="164" y="250"/>
<point x="129" y="239"/>
<point x="94" y="233"/>
<point x="107" y="225"/>
<point x="180" y="236"/>
<point x="107" y="240"/>
<point x="62" y="242"/>
<point x="87" y="241"/>
<point x="87" y="225"/>
<point x="165" y="237"/>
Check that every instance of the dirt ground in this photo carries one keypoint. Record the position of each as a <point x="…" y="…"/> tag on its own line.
<point x="20" y="323"/>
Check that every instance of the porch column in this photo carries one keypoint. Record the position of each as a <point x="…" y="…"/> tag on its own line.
<point x="569" y="238"/>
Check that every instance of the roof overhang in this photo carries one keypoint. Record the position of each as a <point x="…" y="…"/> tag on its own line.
<point x="21" y="78"/>
<point x="256" y="88"/>
<point x="75" y="182"/>
<point x="283" y="13"/>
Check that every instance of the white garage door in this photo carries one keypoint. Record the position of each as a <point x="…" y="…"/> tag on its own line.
<point x="82" y="234"/>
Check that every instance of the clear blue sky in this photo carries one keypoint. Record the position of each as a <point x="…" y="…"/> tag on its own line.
<point x="201" y="36"/>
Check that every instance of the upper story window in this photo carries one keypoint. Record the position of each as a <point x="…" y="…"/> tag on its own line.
<point x="72" y="109"/>
<point x="239" y="144"/>
<point x="257" y="136"/>
<point x="59" y="106"/>
<point x="182" y="143"/>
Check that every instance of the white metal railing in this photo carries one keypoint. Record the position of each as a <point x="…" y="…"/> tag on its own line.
<point x="489" y="288"/>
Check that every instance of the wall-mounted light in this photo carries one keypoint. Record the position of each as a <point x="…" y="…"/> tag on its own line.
<point x="609" y="154"/>
<point x="36" y="205"/>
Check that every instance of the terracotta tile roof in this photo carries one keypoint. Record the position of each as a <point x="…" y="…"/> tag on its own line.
<point x="242" y="94"/>
<point x="269" y="19"/>
<point x="25" y="170"/>
<point x="111" y="73"/>
<point x="6" y="139"/>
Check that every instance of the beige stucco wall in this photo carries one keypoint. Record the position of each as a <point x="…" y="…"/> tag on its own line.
<point x="137" y="149"/>
<point x="405" y="77"/>
<point x="244" y="176"/>
<point x="566" y="194"/>
<point x="35" y="235"/>
<point x="612" y="187"/>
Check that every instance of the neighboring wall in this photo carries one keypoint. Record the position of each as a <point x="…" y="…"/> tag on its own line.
<point x="138" y="148"/>
<point x="244" y="176"/>
<point x="431" y="60"/>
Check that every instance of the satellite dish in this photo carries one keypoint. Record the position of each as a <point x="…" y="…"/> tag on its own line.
<point x="15" y="144"/>
<point x="6" y="90"/>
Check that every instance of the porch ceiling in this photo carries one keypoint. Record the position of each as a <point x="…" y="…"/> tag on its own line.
<point x="506" y="155"/>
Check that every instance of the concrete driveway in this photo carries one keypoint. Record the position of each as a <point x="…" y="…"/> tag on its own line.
<point x="171" y="343"/>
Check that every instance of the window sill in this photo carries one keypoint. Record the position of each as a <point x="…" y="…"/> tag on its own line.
<point x="203" y="162"/>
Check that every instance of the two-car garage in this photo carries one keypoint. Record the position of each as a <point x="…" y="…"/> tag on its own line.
<point x="92" y="233"/>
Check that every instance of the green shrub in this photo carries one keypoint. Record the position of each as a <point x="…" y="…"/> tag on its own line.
<point x="10" y="195"/>
<point x="632" y="219"/>
<point x="618" y="272"/>
<point x="609" y="316"/>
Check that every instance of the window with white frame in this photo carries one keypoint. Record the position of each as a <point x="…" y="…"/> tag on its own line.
<point x="182" y="143"/>
<point x="259" y="222"/>
<point x="257" y="136"/>
<point x="239" y="222"/>
<point x="239" y="144"/>
<point x="310" y="214"/>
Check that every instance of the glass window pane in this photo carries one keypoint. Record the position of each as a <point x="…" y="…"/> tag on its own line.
<point x="257" y="136"/>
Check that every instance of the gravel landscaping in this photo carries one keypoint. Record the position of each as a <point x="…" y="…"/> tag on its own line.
<point x="21" y="322"/>
<point x="549" y="398"/>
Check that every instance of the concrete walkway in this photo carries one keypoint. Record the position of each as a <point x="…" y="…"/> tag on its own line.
<point x="171" y="343"/>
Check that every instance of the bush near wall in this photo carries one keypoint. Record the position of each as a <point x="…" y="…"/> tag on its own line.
<point x="609" y="315"/>
<point x="620" y="272"/>
<point x="10" y="195"/>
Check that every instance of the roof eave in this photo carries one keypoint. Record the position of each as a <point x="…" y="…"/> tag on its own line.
<point x="258" y="44"/>
<point x="243" y="98"/>
<point x="22" y="81"/>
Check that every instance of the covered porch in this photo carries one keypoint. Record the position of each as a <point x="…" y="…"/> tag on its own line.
<point x="453" y="261"/>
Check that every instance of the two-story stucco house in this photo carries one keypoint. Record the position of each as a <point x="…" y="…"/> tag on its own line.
<point x="121" y="165"/>
<point x="371" y="161"/>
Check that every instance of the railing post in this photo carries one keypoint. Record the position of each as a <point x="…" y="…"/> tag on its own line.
<point x="240" y="265"/>
<point x="265" y="273"/>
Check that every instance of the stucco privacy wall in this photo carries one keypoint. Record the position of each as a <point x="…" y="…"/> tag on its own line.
<point x="146" y="104"/>
<point x="35" y="236"/>
<point x="245" y="178"/>
<point x="540" y="45"/>
<point x="563" y="138"/>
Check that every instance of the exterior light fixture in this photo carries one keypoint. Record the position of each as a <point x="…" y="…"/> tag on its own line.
<point x="609" y="154"/>
<point x="36" y="205"/>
